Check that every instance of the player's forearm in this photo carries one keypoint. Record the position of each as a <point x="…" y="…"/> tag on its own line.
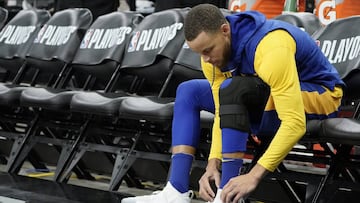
<point x="216" y="141"/>
<point x="287" y="136"/>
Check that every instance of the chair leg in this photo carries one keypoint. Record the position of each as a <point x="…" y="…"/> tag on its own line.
<point x="68" y="153"/>
<point x="72" y="163"/>
<point x="336" y="166"/>
<point x="123" y="163"/>
<point x="21" y="148"/>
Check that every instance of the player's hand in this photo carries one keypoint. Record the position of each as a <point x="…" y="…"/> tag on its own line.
<point x="238" y="188"/>
<point x="212" y="174"/>
<point x="242" y="186"/>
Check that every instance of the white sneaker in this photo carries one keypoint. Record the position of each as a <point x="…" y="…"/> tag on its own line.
<point x="218" y="200"/>
<point x="168" y="195"/>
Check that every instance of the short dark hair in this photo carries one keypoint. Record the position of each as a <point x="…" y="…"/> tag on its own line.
<point x="203" y="17"/>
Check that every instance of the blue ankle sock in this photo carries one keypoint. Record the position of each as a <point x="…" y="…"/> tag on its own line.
<point x="180" y="170"/>
<point x="230" y="169"/>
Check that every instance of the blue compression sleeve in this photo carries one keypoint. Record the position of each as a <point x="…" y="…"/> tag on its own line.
<point x="180" y="170"/>
<point x="191" y="97"/>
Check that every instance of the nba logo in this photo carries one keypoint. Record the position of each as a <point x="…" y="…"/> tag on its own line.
<point x="85" y="42"/>
<point x="134" y="41"/>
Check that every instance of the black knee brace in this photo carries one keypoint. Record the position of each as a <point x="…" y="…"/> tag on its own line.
<point x="243" y="94"/>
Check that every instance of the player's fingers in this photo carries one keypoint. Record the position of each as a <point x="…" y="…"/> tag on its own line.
<point x="205" y="190"/>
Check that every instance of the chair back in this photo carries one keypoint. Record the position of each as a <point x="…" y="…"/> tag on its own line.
<point x="17" y="36"/>
<point x="307" y="21"/>
<point x="340" y="42"/>
<point x="187" y="66"/>
<point x="3" y="16"/>
<point x="103" y="45"/>
<point x="58" y="40"/>
<point x="56" y="44"/>
<point x="153" y="48"/>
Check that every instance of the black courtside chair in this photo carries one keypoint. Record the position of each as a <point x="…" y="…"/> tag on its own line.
<point x="342" y="180"/>
<point x="48" y="61"/>
<point x="16" y="38"/>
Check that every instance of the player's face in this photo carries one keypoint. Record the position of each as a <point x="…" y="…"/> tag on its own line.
<point x="214" y="48"/>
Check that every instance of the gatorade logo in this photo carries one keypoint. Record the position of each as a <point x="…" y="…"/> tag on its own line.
<point x="104" y="38"/>
<point x="16" y="35"/>
<point x="53" y="35"/>
<point x="152" y="39"/>
<point x="327" y="13"/>
<point x="341" y="50"/>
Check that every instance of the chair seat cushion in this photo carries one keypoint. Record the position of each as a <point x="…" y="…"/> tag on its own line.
<point x="47" y="98"/>
<point x="10" y="94"/>
<point x="148" y="108"/>
<point x="97" y="103"/>
<point x="341" y="131"/>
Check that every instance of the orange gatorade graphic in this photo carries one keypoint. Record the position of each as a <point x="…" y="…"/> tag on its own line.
<point x="330" y="10"/>
<point x="327" y="10"/>
<point x="270" y="8"/>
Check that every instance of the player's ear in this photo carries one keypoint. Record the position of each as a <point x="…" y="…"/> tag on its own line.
<point x="225" y="28"/>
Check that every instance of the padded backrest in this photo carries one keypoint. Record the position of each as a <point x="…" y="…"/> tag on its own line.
<point x="17" y="36"/>
<point x="154" y="45"/>
<point x="340" y="42"/>
<point x="104" y="44"/>
<point x="58" y="40"/>
<point x="187" y="66"/>
<point x="158" y="34"/>
<point x="304" y="20"/>
<point x="188" y="58"/>
<point x="3" y="16"/>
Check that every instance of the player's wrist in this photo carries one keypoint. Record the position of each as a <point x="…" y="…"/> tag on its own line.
<point x="213" y="164"/>
<point x="258" y="172"/>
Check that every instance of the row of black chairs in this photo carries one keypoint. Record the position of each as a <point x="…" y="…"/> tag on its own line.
<point x="119" y="61"/>
<point x="81" y="87"/>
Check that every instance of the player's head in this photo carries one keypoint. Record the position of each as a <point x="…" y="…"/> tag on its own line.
<point x="207" y="32"/>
